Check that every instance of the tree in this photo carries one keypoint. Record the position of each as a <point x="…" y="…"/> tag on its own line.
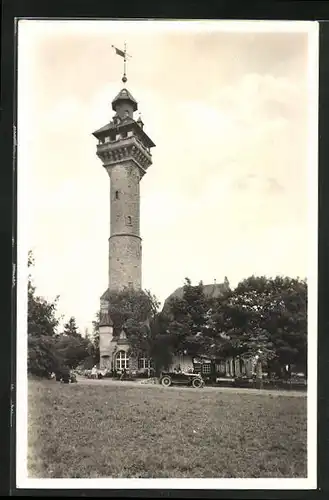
<point x="47" y="351"/>
<point x="263" y="318"/>
<point x="162" y="343"/>
<point x="130" y="304"/>
<point x="133" y="311"/>
<point x="42" y="319"/>
<point x="190" y="324"/>
<point x="282" y="312"/>
<point x="70" y="328"/>
<point x="42" y="325"/>
<point x="72" y="350"/>
<point x="266" y="317"/>
<point x="236" y="318"/>
<point x="95" y="339"/>
<point x="42" y="355"/>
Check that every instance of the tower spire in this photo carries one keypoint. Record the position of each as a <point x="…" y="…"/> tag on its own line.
<point x="123" y="53"/>
<point x="124" y="78"/>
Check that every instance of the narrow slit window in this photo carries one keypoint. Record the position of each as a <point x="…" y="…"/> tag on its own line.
<point x="129" y="220"/>
<point x="117" y="195"/>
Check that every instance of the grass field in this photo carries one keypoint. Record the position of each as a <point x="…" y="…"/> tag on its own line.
<point x="115" y="431"/>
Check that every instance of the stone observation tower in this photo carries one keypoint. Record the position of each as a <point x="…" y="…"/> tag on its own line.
<point x="125" y="151"/>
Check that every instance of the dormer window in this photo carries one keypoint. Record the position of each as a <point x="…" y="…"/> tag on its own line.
<point x="124" y="134"/>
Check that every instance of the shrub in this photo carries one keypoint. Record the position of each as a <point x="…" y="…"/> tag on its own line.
<point x="42" y="356"/>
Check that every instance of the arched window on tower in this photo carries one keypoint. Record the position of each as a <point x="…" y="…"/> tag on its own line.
<point x="117" y="195"/>
<point x="129" y="223"/>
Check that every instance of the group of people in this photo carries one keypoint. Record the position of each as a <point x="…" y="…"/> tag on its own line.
<point x="64" y="375"/>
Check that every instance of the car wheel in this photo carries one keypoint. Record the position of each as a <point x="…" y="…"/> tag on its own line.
<point x="166" y="381"/>
<point x="196" y="382"/>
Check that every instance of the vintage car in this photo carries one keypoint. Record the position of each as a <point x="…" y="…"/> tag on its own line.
<point x="172" y="378"/>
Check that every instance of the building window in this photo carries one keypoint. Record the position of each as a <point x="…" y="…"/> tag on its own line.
<point x="220" y="367"/>
<point x="206" y="368"/>
<point x="122" y="361"/>
<point x="144" y="363"/>
<point x="124" y="134"/>
<point x="117" y="195"/>
<point x="129" y="221"/>
<point x="107" y="139"/>
<point x="112" y="137"/>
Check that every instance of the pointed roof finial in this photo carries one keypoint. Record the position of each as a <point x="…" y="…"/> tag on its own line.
<point x="123" y="53"/>
<point x="140" y="121"/>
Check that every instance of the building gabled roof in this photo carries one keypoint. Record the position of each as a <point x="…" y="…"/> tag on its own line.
<point x="214" y="290"/>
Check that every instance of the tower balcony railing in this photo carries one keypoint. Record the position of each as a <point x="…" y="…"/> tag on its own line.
<point x="122" y="142"/>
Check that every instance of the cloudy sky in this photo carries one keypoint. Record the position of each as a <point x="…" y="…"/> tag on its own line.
<point x="227" y="194"/>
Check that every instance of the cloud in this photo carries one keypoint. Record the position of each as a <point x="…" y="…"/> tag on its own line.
<point x="257" y="184"/>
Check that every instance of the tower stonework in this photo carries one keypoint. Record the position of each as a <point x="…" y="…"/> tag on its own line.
<point x="125" y="249"/>
<point x="125" y="152"/>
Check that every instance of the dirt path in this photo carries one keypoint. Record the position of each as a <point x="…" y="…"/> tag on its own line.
<point x="142" y="383"/>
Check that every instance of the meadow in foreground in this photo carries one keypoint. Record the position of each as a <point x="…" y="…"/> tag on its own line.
<point x="86" y="431"/>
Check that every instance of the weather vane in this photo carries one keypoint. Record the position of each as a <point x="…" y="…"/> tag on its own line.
<point x="123" y="53"/>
